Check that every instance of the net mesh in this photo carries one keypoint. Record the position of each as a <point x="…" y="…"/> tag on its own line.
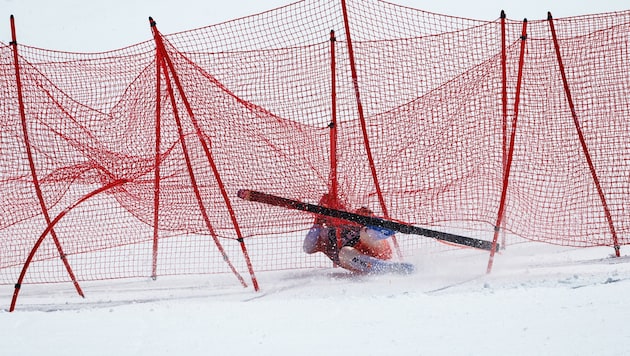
<point x="261" y="95"/>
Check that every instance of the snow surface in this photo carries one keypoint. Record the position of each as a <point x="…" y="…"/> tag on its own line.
<point x="538" y="300"/>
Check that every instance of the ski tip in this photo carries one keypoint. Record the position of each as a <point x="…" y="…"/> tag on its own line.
<point x="244" y="194"/>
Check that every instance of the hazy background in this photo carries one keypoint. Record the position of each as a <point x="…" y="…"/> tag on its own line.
<point x="95" y="26"/>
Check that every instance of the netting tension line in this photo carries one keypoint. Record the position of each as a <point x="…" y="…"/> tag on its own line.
<point x="510" y="152"/>
<point x="585" y="150"/>
<point x="168" y="67"/>
<point x="366" y="141"/>
<point x="31" y="162"/>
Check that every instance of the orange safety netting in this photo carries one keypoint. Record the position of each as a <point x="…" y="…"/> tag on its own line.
<point x="127" y="163"/>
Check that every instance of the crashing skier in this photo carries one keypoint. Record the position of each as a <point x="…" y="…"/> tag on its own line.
<point x="361" y="249"/>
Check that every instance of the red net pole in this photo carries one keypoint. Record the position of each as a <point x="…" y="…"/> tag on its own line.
<point x="158" y="139"/>
<point x="578" y="128"/>
<point x="366" y="141"/>
<point x="333" y="122"/>
<point x="504" y="101"/>
<point x="49" y="228"/>
<point x="334" y="188"/>
<point x="166" y="65"/>
<point x="31" y="162"/>
<point x="510" y="152"/>
<point x="202" y="139"/>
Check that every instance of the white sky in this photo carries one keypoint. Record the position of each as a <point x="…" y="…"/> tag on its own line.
<point x="91" y="26"/>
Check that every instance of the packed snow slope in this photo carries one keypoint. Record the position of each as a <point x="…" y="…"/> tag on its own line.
<point x="538" y="300"/>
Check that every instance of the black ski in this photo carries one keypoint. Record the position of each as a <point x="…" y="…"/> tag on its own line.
<point x="274" y="200"/>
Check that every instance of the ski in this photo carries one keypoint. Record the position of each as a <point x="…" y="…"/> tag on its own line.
<point x="371" y="265"/>
<point x="255" y="196"/>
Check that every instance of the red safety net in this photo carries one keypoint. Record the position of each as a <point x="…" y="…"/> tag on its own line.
<point x="127" y="163"/>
